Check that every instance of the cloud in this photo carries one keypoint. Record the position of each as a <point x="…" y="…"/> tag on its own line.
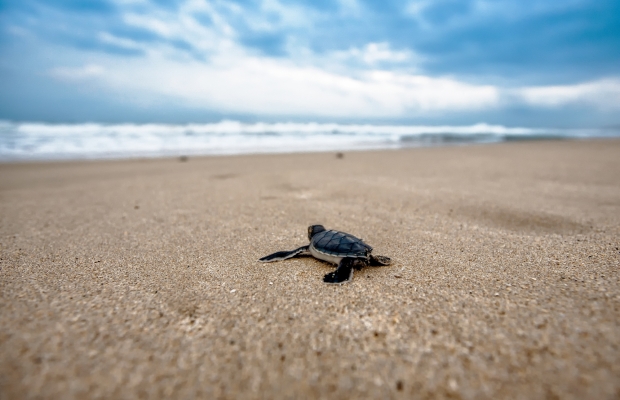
<point x="240" y="82"/>
<point x="526" y="42"/>
<point x="85" y="72"/>
<point x="236" y="79"/>
<point x="316" y="59"/>
<point x="374" y="53"/>
<point x="125" y="43"/>
<point x="604" y="94"/>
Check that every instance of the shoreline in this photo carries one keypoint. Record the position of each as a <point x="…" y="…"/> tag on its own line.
<point x="41" y="141"/>
<point x="187" y="155"/>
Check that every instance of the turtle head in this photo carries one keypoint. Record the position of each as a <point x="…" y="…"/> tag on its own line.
<point x="313" y="230"/>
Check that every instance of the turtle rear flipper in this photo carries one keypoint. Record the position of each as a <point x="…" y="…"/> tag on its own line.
<point x="379" y="261"/>
<point x="283" y="255"/>
<point x="344" y="272"/>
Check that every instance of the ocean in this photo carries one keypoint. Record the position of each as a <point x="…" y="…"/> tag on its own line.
<point x="25" y="141"/>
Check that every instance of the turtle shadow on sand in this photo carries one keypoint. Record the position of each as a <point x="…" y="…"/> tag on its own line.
<point x="346" y="251"/>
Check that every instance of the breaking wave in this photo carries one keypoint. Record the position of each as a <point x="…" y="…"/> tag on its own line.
<point x="41" y="141"/>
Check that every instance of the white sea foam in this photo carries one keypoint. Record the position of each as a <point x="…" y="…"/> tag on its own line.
<point x="40" y="141"/>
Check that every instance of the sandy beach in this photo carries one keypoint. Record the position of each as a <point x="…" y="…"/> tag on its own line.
<point x="139" y="278"/>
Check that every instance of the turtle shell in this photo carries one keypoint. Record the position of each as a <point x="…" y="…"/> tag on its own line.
<point x="340" y="244"/>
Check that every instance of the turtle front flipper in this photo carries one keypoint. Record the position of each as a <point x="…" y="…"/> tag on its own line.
<point x="379" y="261"/>
<point x="344" y="272"/>
<point x="283" y="255"/>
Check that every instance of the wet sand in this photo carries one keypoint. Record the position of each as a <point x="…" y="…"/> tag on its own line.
<point x="136" y="279"/>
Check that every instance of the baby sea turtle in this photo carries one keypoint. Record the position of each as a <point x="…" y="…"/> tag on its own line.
<point x="342" y="249"/>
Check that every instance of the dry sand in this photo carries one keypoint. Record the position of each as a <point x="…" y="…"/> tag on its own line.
<point x="135" y="279"/>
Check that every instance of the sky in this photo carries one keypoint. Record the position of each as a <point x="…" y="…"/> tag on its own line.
<point x="511" y="62"/>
